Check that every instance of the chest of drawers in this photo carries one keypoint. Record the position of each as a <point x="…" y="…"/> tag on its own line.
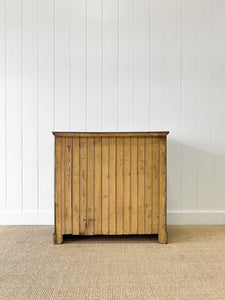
<point x="110" y="184"/>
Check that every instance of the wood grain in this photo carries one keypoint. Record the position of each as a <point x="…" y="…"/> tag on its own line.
<point x="90" y="187"/>
<point x="58" y="237"/>
<point x="162" y="192"/>
<point x="112" y="185"/>
<point x="68" y="183"/>
<point x="155" y="178"/>
<point x="105" y="186"/>
<point x="134" y="208"/>
<point x="148" y="185"/>
<point x="141" y="185"/>
<point x="76" y="186"/>
<point x="119" y="185"/>
<point x="83" y="186"/>
<point x="63" y="184"/>
<point x="98" y="188"/>
<point x="111" y="134"/>
<point x="126" y="190"/>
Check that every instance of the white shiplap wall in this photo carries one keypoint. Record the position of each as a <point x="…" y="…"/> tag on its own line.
<point x="112" y="65"/>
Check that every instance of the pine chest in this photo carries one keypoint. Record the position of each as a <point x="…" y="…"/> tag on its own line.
<point x="110" y="183"/>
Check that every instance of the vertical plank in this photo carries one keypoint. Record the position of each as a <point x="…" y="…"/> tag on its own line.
<point x="155" y="187"/>
<point x="141" y="64"/>
<point x="109" y="64"/>
<point x="112" y="185"/>
<point x="62" y="65"/>
<point x="94" y="65"/>
<point x="148" y="185"/>
<point x="45" y="105"/>
<point x="162" y="191"/>
<point x="97" y="184"/>
<point x="68" y="181"/>
<point x="76" y="186"/>
<point x="204" y="124"/>
<point x="58" y="190"/>
<point x="78" y="65"/>
<point x="127" y="187"/>
<point x="125" y="72"/>
<point x="83" y="185"/>
<point x="218" y="105"/>
<point x="141" y="185"/>
<point x="120" y="187"/>
<point x="63" y="185"/>
<point x="134" y="208"/>
<point x="13" y="106"/>
<point x="2" y="105"/>
<point x="157" y="65"/>
<point x="105" y="186"/>
<point x="173" y="103"/>
<point x="189" y="98"/>
<point x="90" y="196"/>
<point x="30" y="105"/>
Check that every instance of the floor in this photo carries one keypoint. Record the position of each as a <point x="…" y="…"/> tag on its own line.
<point x="190" y="266"/>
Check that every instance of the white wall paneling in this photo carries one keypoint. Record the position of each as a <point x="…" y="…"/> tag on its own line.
<point x="29" y="104"/>
<point x="14" y="107"/>
<point x="45" y="105"/>
<point x="3" y="106"/>
<point x="105" y="65"/>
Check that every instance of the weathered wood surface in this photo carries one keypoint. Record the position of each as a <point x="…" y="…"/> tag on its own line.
<point x="110" y="184"/>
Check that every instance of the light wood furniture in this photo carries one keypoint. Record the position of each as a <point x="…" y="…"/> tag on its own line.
<point x="110" y="184"/>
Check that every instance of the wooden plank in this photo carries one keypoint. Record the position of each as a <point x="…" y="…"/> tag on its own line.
<point x="93" y="68"/>
<point x="141" y="59"/>
<point x="112" y="134"/>
<point x="157" y="65"/>
<point x="83" y="186"/>
<point x="190" y="69"/>
<point x="126" y="178"/>
<point x="13" y="106"/>
<point x="62" y="65"/>
<point x="109" y="64"/>
<point x="90" y="198"/>
<point x="105" y="188"/>
<point x="155" y="186"/>
<point x="58" y="191"/>
<point x="78" y="64"/>
<point x="133" y="185"/>
<point x="125" y="64"/>
<point x="112" y="185"/>
<point x="148" y="185"/>
<point x="119" y="185"/>
<point x="68" y="182"/>
<point x="76" y="186"/>
<point x="29" y="107"/>
<point x="162" y="192"/>
<point x="98" y="196"/>
<point x="204" y="120"/>
<point x="218" y="104"/>
<point x="141" y="185"/>
<point x="3" y="108"/>
<point x="63" y="184"/>
<point x="45" y="103"/>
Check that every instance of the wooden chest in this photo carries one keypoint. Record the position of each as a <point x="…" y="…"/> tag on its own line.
<point x="110" y="184"/>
